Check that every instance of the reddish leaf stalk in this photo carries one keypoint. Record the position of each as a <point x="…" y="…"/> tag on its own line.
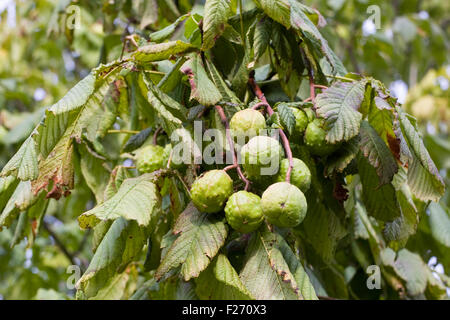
<point x="155" y="135"/>
<point x="320" y="86"/>
<point x="259" y="105"/>
<point x="284" y="139"/>
<point x="235" y="164"/>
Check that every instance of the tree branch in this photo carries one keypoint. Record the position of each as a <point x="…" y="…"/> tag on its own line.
<point x="60" y="245"/>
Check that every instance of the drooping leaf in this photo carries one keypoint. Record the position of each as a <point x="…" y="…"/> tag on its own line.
<point x="167" y="32"/>
<point x="339" y="160"/>
<point x="322" y="228"/>
<point x="202" y="88"/>
<point x="261" y="37"/>
<point x="221" y="282"/>
<point x="272" y="265"/>
<point x="423" y="176"/>
<point x="287" y="117"/>
<point x="162" y="51"/>
<point x="94" y="170"/>
<point x="300" y="21"/>
<point x="136" y="140"/>
<point x="200" y="237"/>
<point x="137" y="199"/>
<point x="377" y="153"/>
<point x="21" y="199"/>
<point x="170" y="110"/>
<point x="24" y="164"/>
<point x="413" y="270"/>
<point x="339" y="106"/>
<point x="278" y="10"/>
<point x="121" y="245"/>
<point x="380" y="200"/>
<point x="439" y="220"/>
<point x="215" y="19"/>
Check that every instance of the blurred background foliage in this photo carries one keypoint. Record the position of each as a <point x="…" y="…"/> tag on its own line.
<point x="45" y="50"/>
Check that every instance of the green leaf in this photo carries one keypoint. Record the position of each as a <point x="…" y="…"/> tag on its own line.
<point x="340" y="159"/>
<point x="411" y="268"/>
<point x="423" y="176"/>
<point x="24" y="164"/>
<point x="287" y="116"/>
<point x="137" y="199"/>
<point x="94" y="171"/>
<point x="114" y="289"/>
<point x="136" y="140"/>
<point x="338" y="105"/>
<point x="221" y="282"/>
<point x="380" y="200"/>
<point x="439" y="220"/>
<point x="57" y="117"/>
<point x="300" y="21"/>
<point x="162" y="51"/>
<point x="261" y="37"/>
<point x="200" y="237"/>
<point x="118" y="175"/>
<point x="278" y="10"/>
<point x="271" y="264"/>
<point x="227" y="94"/>
<point x="215" y="19"/>
<point x="322" y="229"/>
<point x="121" y="245"/>
<point x="377" y="153"/>
<point x="7" y="187"/>
<point x="173" y="78"/>
<point x="149" y="12"/>
<point x="404" y="226"/>
<point x="167" y="32"/>
<point x="21" y="199"/>
<point x="65" y="121"/>
<point x="171" y="111"/>
<point x="381" y="119"/>
<point x="202" y="88"/>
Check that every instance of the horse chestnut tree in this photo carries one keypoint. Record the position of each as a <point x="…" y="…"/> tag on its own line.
<point x="332" y="175"/>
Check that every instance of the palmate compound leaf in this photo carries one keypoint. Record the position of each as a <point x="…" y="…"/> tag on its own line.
<point x="215" y="19"/>
<point x="50" y="146"/>
<point x="202" y="88"/>
<point x="339" y="106"/>
<point x="200" y="236"/>
<point x="137" y="199"/>
<point x="423" y="176"/>
<point x="221" y="282"/>
<point x="24" y="164"/>
<point x="272" y="271"/>
<point x="377" y="153"/>
<point x="122" y="244"/>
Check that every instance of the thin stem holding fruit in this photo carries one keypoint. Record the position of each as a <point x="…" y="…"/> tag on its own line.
<point x="224" y="120"/>
<point x="284" y="139"/>
<point x="155" y="135"/>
